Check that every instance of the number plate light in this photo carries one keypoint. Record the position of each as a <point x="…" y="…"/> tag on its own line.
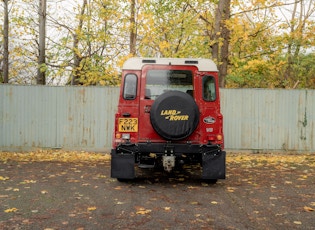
<point x="126" y="136"/>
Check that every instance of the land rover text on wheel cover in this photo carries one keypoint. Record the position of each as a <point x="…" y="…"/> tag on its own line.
<point x="168" y="114"/>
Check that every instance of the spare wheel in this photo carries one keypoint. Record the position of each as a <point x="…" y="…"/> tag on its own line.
<point x="174" y="115"/>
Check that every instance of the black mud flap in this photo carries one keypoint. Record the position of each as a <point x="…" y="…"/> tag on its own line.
<point x="213" y="166"/>
<point x="122" y="166"/>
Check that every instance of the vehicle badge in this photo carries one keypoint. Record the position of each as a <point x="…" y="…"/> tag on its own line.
<point x="209" y="120"/>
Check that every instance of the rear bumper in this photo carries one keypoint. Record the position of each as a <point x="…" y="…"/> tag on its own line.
<point x="176" y="149"/>
<point x="125" y="156"/>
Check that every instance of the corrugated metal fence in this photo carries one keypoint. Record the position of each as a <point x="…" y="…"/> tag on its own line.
<point x="82" y="118"/>
<point x="57" y="117"/>
<point x="264" y="119"/>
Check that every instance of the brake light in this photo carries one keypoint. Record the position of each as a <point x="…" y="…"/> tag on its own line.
<point x="219" y="137"/>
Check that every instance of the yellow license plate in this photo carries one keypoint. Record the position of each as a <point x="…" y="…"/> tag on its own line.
<point x="128" y="125"/>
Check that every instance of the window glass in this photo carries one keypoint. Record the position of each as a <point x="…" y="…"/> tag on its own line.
<point x="130" y="87"/>
<point x="160" y="81"/>
<point x="209" y="92"/>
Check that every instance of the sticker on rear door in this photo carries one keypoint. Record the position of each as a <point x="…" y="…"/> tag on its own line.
<point x="174" y="115"/>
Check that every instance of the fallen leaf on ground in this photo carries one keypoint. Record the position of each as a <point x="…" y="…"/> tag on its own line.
<point x="10" y="210"/>
<point x="194" y="203"/>
<point x="230" y="189"/>
<point x="143" y="211"/>
<point x="91" y="208"/>
<point x="28" y="182"/>
<point x="308" y="209"/>
<point x="191" y="187"/>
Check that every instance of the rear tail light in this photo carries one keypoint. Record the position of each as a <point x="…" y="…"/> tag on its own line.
<point x="218" y="138"/>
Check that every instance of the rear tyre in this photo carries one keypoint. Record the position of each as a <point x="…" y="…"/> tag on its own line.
<point x="122" y="180"/>
<point x="210" y="181"/>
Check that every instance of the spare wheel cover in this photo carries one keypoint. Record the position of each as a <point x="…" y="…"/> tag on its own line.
<point x="174" y="115"/>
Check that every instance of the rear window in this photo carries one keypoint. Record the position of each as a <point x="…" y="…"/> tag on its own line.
<point x="130" y="87"/>
<point x="209" y="92"/>
<point x="160" y="81"/>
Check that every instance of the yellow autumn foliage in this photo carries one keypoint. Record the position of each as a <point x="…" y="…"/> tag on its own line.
<point x="246" y="159"/>
<point x="54" y="155"/>
<point x="271" y="159"/>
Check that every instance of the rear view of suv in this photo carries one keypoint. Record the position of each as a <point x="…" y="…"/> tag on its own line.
<point x="168" y="114"/>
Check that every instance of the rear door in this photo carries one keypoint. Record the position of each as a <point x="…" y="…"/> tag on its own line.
<point x="211" y="118"/>
<point x="127" y="117"/>
<point x="156" y="80"/>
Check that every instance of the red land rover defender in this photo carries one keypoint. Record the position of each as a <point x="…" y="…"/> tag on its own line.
<point x="168" y="114"/>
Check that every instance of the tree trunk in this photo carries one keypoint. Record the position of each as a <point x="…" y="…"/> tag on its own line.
<point x="6" y="43"/>
<point x="224" y="55"/>
<point x="133" y="33"/>
<point x="41" y="69"/>
<point x="288" y="70"/>
<point x="77" y="58"/>
<point x="297" y="28"/>
<point x="221" y="36"/>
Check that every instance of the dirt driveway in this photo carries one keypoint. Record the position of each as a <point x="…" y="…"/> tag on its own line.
<point x="262" y="191"/>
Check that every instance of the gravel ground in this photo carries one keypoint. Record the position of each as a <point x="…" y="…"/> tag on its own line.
<point x="260" y="192"/>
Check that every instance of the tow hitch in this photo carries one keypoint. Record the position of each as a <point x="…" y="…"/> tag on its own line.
<point x="168" y="162"/>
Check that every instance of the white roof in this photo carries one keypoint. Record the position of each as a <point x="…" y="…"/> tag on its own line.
<point x="202" y="64"/>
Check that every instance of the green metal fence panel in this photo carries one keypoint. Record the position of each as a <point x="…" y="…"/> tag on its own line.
<point x="82" y="118"/>
<point x="269" y="119"/>
<point x="79" y="118"/>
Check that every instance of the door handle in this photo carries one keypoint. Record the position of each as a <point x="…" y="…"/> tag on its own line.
<point x="147" y="108"/>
